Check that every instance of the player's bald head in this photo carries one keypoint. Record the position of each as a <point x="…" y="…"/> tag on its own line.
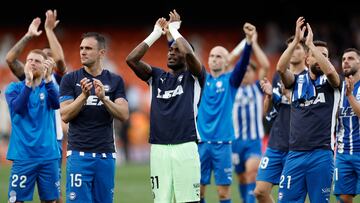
<point x="218" y="59"/>
<point x="220" y="50"/>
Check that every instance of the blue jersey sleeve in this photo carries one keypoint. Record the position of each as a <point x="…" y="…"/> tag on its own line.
<point x="240" y="68"/>
<point x="67" y="86"/>
<point x="120" y="89"/>
<point x="17" y="98"/>
<point x="53" y="95"/>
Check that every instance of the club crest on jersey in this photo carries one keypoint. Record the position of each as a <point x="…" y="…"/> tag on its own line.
<point x="106" y="88"/>
<point x="170" y="93"/>
<point x="219" y="87"/>
<point x="42" y="96"/>
<point x="180" y="78"/>
<point x="72" y="196"/>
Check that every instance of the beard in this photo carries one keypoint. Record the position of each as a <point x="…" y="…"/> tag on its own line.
<point x="352" y="71"/>
<point x="315" y="69"/>
<point x="37" y="74"/>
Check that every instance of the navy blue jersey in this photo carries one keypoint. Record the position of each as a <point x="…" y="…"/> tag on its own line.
<point x="312" y="118"/>
<point x="174" y="104"/>
<point x="280" y="130"/>
<point x="92" y="129"/>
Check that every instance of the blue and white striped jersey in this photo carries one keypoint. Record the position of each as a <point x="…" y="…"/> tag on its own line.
<point x="248" y="112"/>
<point x="348" y="125"/>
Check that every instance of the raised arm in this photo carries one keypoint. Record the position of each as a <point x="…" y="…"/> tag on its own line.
<point x="239" y="71"/>
<point x="235" y="53"/>
<point x="324" y="63"/>
<point x="140" y="68"/>
<point x="169" y="38"/>
<point x="263" y="60"/>
<point x="192" y="61"/>
<point x="287" y="77"/>
<point x="57" y="52"/>
<point x="12" y="57"/>
<point x="53" y="92"/>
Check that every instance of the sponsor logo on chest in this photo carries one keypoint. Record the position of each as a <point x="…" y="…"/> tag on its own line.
<point x="93" y="100"/>
<point x="319" y="99"/>
<point x="170" y="93"/>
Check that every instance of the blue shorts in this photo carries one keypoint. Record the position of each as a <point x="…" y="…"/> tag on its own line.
<point x="90" y="177"/>
<point x="347" y="174"/>
<point x="271" y="166"/>
<point x="243" y="150"/>
<point x="307" y="172"/>
<point x="217" y="157"/>
<point x="24" y="174"/>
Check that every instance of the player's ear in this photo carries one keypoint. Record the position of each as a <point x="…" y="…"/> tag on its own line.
<point x="102" y="52"/>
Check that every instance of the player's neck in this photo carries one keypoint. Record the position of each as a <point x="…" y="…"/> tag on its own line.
<point x="314" y="76"/>
<point x="36" y="82"/>
<point x="216" y="73"/>
<point x="94" y="70"/>
<point x="297" y="68"/>
<point x="177" y="71"/>
<point x="356" y="77"/>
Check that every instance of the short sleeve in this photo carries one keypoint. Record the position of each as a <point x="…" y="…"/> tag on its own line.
<point x="120" y="89"/>
<point x="155" y="73"/>
<point x="67" y="88"/>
